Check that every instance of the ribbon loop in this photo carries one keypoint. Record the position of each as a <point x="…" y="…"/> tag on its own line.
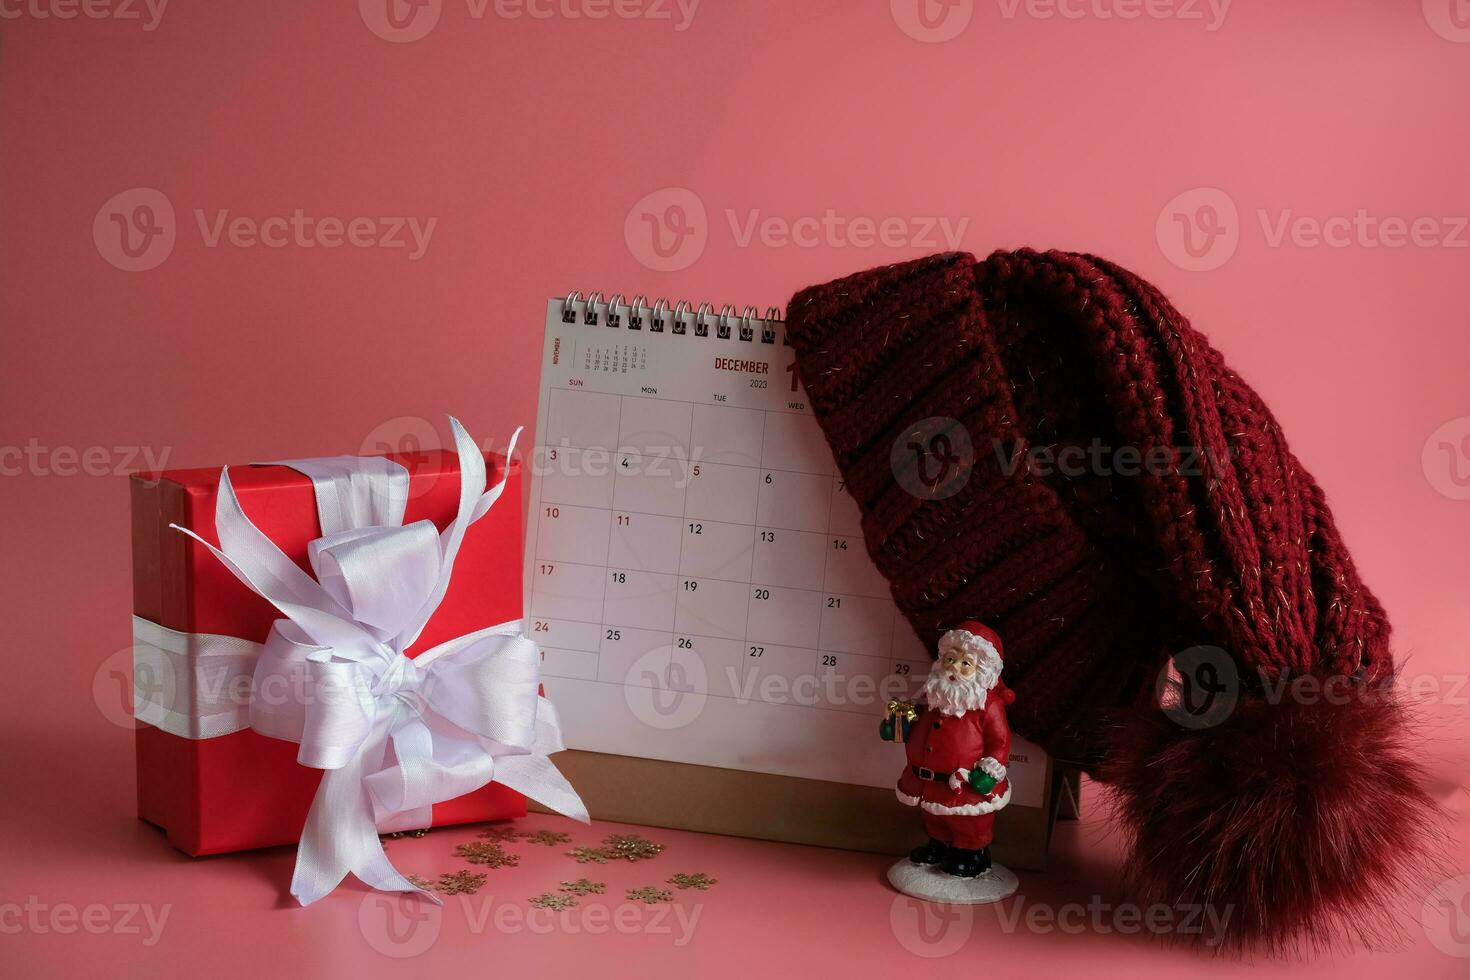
<point x="380" y="575"/>
<point x="484" y="686"/>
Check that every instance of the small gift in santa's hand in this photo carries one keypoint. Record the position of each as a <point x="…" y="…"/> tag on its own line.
<point x="349" y="660"/>
<point x="897" y="717"/>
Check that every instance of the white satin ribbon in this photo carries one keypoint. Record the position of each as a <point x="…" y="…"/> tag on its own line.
<point x="395" y="735"/>
<point x="193" y="685"/>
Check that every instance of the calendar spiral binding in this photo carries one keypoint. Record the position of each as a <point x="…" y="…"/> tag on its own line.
<point x="676" y="319"/>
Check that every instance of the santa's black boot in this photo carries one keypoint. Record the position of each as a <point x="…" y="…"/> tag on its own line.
<point x="931" y="853"/>
<point x="966" y="864"/>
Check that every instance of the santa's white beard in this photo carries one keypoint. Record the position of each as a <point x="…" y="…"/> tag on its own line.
<point x="952" y="694"/>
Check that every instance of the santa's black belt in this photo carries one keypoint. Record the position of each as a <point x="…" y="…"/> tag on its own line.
<point x="930" y="774"/>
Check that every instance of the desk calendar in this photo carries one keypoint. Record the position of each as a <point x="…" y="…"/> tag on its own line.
<point x="696" y="573"/>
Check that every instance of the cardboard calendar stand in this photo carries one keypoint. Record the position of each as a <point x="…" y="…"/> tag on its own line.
<point x="689" y="533"/>
<point x="710" y="800"/>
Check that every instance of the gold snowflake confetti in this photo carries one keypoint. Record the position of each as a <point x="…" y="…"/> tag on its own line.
<point x="489" y="854"/>
<point x="698" y="880"/>
<point x="550" y="838"/>
<point x="583" y="886"/>
<point x="460" y="883"/>
<point x="630" y="847"/>
<point x="502" y="835"/>
<point x="585" y="855"/>
<point x="546" y="900"/>
<point x="421" y="832"/>
<point x="418" y="881"/>
<point x="650" y="895"/>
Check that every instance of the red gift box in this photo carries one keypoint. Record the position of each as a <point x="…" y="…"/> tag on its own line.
<point x="244" y="790"/>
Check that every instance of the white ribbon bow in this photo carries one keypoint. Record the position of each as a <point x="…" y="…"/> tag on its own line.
<point x="395" y="735"/>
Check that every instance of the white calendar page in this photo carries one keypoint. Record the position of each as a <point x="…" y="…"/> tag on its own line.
<point x="696" y="573"/>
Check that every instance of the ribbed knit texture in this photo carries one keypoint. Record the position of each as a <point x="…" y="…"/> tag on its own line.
<point x="1092" y="579"/>
<point x="1303" y="817"/>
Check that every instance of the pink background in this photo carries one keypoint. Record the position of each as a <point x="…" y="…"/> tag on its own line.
<point x="530" y="140"/>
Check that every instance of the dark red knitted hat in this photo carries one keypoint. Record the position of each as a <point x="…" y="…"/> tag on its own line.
<point x="1180" y="615"/>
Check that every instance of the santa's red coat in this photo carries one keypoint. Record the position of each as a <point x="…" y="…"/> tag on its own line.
<point x="945" y="743"/>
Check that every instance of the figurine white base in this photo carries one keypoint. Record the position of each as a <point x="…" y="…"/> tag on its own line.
<point x="930" y="883"/>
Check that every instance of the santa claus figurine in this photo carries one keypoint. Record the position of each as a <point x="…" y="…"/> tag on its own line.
<point x="958" y="746"/>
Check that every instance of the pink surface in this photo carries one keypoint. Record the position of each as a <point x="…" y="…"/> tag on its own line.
<point x="1291" y="174"/>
